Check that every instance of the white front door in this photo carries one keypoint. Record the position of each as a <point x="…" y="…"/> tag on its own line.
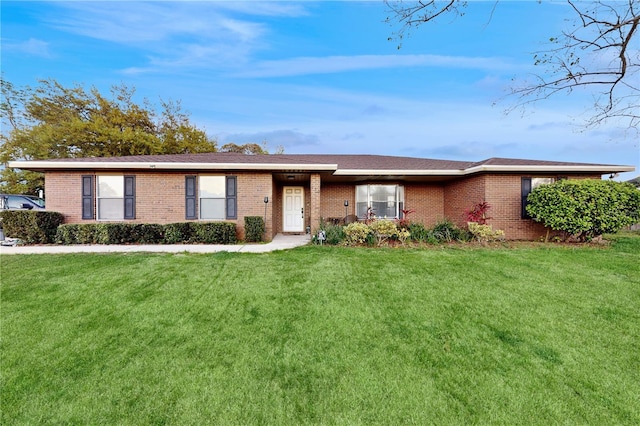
<point x="293" y="209"/>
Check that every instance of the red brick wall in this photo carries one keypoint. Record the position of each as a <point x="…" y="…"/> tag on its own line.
<point x="462" y="195"/>
<point x="160" y="197"/>
<point x="332" y="200"/>
<point x="503" y="192"/>
<point x="252" y="188"/>
<point x="63" y="193"/>
<point x="428" y="202"/>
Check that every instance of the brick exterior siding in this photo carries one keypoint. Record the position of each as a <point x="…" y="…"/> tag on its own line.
<point x="503" y="193"/>
<point x="160" y="198"/>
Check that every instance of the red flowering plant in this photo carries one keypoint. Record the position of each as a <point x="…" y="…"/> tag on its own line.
<point x="478" y="213"/>
<point x="477" y="224"/>
<point x="404" y="221"/>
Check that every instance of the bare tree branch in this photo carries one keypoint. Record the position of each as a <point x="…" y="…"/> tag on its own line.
<point x="600" y="50"/>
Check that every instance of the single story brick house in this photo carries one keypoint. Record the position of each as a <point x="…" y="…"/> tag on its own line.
<point x="295" y="192"/>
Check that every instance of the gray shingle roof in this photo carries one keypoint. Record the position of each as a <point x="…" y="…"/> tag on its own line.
<point x="344" y="161"/>
<point x="348" y="163"/>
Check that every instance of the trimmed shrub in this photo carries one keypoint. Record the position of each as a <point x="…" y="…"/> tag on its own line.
<point x="253" y="228"/>
<point x="32" y="227"/>
<point x="585" y="208"/>
<point x="147" y="233"/>
<point x="113" y="233"/>
<point x="67" y="234"/>
<point x="87" y="233"/>
<point x="214" y="232"/>
<point x="150" y="233"/>
<point x="175" y="233"/>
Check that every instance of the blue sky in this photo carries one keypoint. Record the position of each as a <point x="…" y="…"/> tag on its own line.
<point x="321" y="77"/>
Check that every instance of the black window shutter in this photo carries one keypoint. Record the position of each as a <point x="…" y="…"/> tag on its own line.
<point x="87" y="197"/>
<point x="129" y="197"/>
<point x="526" y="190"/>
<point x="232" y="197"/>
<point x="190" y="197"/>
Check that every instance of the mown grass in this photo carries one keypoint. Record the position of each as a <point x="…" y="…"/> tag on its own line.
<point x="324" y="335"/>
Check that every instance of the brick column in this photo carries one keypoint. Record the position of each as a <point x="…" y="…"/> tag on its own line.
<point x="315" y="202"/>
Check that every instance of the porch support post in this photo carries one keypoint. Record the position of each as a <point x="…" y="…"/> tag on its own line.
<point x="315" y="202"/>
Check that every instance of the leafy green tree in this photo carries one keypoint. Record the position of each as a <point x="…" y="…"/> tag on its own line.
<point x="248" y="148"/>
<point x="585" y="208"/>
<point x="53" y="121"/>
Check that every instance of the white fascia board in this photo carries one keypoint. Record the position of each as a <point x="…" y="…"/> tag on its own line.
<point x="550" y="168"/>
<point x="97" y="165"/>
<point x="377" y="172"/>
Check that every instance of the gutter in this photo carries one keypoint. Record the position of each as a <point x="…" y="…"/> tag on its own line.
<point x="603" y="169"/>
<point x="97" y="165"/>
<point x="550" y="168"/>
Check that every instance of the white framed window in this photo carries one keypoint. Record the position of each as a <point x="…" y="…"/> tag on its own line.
<point x="110" y="197"/>
<point x="115" y="197"/>
<point x="379" y="201"/>
<point x="212" y="197"/>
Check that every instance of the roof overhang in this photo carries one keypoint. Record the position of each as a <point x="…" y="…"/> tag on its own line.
<point x="586" y="168"/>
<point x="358" y="172"/>
<point x="120" y="165"/>
<point x="45" y="165"/>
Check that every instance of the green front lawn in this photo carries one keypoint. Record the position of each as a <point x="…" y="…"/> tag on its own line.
<point x="324" y="335"/>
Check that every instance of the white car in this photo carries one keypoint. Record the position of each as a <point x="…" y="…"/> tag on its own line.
<point x="20" y="202"/>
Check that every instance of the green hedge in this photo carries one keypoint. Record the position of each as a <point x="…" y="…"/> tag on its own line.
<point x="139" y="233"/>
<point x="175" y="233"/>
<point x="585" y="208"/>
<point x="253" y="228"/>
<point x="213" y="232"/>
<point x="32" y="227"/>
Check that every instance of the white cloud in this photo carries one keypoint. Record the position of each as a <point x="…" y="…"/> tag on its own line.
<point x="175" y="34"/>
<point x="140" y="22"/>
<point x="335" y="64"/>
<point x="32" y="47"/>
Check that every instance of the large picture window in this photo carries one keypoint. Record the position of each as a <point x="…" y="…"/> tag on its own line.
<point x="380" y="201"/>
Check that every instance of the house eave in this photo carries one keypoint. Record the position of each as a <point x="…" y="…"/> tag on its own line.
<point x="491" y="168"/>
<point x="45" y="165"/>
<point x="586" y="168"/>
<point x="117" y="165"/>
<point x="362" y="172"/>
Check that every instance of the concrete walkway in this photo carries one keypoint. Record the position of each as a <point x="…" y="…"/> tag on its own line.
<point x="280" y="242"/>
